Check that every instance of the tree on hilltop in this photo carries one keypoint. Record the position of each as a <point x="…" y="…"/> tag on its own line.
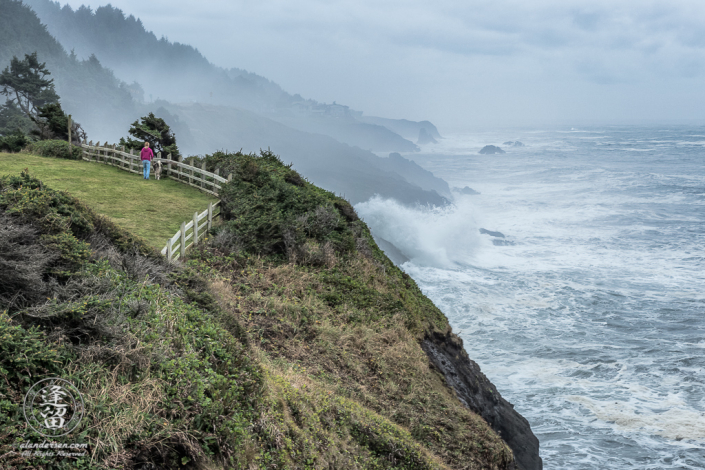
<point x="155" y="131"/>
<point x="32" y="105"/>
<point x="26" y="85"/>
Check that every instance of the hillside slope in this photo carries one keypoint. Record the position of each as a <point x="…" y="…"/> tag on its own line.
<point x="152" y="210"/>
<point x="179" y="73"/>
<point x="105" y="107"/>
<point x="288" y="341"/>
<point x="346" y="170"/>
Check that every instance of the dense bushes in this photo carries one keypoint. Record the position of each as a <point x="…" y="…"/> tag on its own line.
<point x="271" y="210"/>
<point x="14" y="142"/>
<point x="55" y="149"/>
<point x="168" y="385"/>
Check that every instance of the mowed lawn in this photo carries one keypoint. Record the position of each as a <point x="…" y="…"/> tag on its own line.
<point x="151" y="209"/>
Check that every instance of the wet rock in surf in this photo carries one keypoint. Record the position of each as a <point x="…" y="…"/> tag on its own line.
<point x="498" y="238"/>
<point x="491" y="150"/>
<point x="491" y="233"/>
<point x="474" y="390"/>
<point x="516" y="143"/>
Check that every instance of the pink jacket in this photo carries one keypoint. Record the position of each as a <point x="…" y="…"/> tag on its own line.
<point x="146" y="154"/>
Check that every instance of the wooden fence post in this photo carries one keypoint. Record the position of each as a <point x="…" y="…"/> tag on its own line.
<point x="168" y="249"/>
<point x="203" y="176"/>
<point x="230" y="177"/>
<point x="132" y="160"/>
<point x="195" y="228"/>
<point x="70" y="148"/>
<point x="183" y="239"/>
<point x="210" y="216"/>
<point x="168" y="166"/>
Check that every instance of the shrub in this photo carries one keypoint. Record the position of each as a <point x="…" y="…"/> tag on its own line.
<point x="14" y="142"/>
<point x="55" y="149"/>
<point x="23" y="262"/>
<point x="271" y="210"/>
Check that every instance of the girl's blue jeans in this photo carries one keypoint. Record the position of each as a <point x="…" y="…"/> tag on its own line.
<point x="145" y="168"/>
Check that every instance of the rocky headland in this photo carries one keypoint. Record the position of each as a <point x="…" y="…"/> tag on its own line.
<point x="288" y="339"/>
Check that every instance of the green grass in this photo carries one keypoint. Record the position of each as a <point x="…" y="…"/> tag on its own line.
<point x="150" y="209"/>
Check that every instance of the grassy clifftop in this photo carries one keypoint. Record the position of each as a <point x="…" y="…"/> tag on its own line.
<point x="153" y="210"/>
<point x="288" y="340"/>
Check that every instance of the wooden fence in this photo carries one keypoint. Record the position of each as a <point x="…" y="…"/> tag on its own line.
<point x="190" y="233"/>
<point x="199" y="178"/>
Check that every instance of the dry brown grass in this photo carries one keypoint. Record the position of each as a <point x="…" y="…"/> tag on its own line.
<point x="379" y="365"/>
<point x="124" y="408"/>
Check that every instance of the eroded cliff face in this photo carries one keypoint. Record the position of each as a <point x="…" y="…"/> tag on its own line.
<point x="476" y="392"/>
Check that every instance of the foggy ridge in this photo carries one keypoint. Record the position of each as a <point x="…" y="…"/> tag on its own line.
<point x="118" y="71"/>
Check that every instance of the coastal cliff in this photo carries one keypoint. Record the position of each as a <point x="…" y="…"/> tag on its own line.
<point x="287" y="340"/>
<point x="476" y="392"/>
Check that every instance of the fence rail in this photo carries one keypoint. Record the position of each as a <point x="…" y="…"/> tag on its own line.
<point x="198" y="178"/>
<point x="208" y="182"/>
<point x="177" y="245"/>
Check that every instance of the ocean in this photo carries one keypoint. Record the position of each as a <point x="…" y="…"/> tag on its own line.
<point x="589" y="315"/>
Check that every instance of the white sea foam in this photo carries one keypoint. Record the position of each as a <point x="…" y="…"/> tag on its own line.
<point x="590" y="319"/>
<point x="677" y="421"/>
<point x="443" y="237"/>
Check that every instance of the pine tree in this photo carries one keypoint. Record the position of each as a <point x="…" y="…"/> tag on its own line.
<point x="155" y="131"/>
<point x="25" y="83"/>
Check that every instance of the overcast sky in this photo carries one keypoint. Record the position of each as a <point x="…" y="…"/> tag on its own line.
<point x="459" y="63"/>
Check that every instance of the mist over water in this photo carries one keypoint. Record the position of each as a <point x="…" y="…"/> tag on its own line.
<point x="591" y="318"/>
<point x="440" y="237"/>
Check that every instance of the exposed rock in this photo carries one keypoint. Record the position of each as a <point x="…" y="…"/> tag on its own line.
<point x="490" y="150"/>
<point x="466" y="190"/>
<point x="498" y="237"/>
<point x="425" y="137"/>
<point x="475" y="391"/>
<point x="392" y="252"/>
<point x="516" y="143"/>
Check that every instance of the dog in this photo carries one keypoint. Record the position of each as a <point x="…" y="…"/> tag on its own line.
<point x="157" y="170"/>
